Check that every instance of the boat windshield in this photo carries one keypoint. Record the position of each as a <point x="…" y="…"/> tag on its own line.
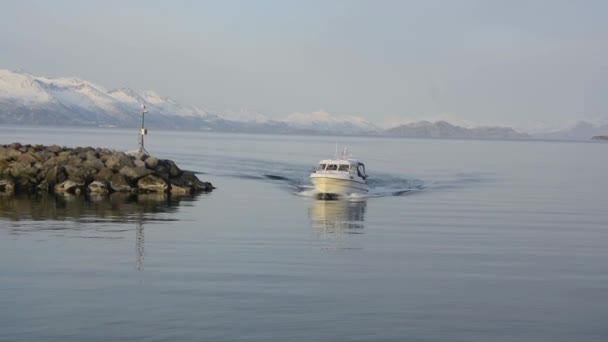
<point x="361" y="170"/>
<point x="321" y="167"/>
<point x="343" y="167"/>
<point x="332" y="167"/>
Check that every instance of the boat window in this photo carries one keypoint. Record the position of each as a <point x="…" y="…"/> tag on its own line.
<point x="321" y="167"/>
<point x="332" y="167"/>
<point x="343" y="167"/>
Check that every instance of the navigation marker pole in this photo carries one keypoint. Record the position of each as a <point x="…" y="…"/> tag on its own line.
<point x="143" y="131"/>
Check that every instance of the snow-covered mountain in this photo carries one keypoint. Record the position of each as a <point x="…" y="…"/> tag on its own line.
<point x="28" y="99"/>
<point x="35" y="100"/>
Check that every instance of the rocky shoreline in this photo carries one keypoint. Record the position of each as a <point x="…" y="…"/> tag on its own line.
<point x="28" y="169"/>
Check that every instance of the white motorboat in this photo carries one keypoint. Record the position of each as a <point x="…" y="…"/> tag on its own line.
<point x="341" y="176"/>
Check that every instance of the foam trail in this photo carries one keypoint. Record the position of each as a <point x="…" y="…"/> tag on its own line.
<point x="294" y="177"/>
<point x="307" y="193"/>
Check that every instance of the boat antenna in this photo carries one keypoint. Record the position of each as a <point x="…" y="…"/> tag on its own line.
<point x="336" y="152"/>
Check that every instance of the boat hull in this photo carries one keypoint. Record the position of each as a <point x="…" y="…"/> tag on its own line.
<point x="337" y="186"/>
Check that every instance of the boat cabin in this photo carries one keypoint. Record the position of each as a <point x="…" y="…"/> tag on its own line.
<point x="343" y="166"/>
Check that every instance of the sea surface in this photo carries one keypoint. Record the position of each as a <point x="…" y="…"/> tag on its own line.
<point x="459" y="240"/>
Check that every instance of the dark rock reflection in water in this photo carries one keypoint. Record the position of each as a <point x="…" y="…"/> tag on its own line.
<point x="107" y="217"/>
<point x="114" y="208"/>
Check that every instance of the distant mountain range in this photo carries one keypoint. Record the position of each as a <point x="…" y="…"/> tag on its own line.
<point x="581" y="130"/>
<point x="26" y="99"/>
<point x="442" y="129"/>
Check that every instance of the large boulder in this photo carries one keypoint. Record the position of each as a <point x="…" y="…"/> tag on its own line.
<point x="169" y="168"/>
<point x="4" y="165"/>
<point x="14" y="154"/>
<point x="55" y="161"/>
<point x="91" y="155"/>
<point x="135" y="173"/>
<point x="55" y="175"/>
<point x="180" y="187"/>
<point x="151" y="163"/>
<point x="190" y="179"/>
<point x="22" y="169"/>
<point x="80" y="174"/>
<point x="28" y="157"/>
<point x="118" y="161"/>
<point x="119" y="183"/>
<point x="55" y="149"/>
<point x="139" y="163"/>
<point x="69" y="187"/>
<point x="152" y="183"/>
<point x="99" y="187"/>
<point x="104" y="174"/>
<point x="7" y="186"/>
<point x="94" y="163"/>
<point x="65" y="153"/>
<point x="44" y="155"/>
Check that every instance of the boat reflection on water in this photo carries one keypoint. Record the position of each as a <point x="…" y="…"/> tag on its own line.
<point x="336" y="221"/>
<point x="107" y="217"/>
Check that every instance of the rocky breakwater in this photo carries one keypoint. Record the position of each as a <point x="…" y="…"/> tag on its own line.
<point x="87" y="170"/>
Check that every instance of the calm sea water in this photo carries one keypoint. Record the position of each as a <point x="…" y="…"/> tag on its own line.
<point x="459" y="241"/>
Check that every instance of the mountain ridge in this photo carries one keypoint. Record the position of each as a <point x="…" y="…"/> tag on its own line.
<point x="444" y="129"/>
<point x="37" y="100"/>
<point x="26" y="99"/>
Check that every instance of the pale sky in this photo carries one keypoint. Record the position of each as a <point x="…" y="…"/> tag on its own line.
<point x="516" y="63"/>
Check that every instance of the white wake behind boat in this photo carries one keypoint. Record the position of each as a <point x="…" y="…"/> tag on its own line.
<point x="341" y="176"/>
